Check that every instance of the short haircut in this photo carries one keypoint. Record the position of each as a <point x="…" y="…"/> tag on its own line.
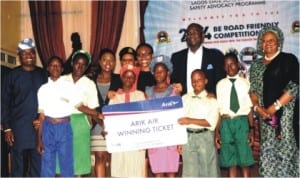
<point x="231" y="55"/>
<point x="198" y="26"/>
<point x="199" y="71"/>
<point x="160" y="64"/>
<point x="106" y="50"/>
<point x="53" y="58"/>
<point x="145" y="44"/>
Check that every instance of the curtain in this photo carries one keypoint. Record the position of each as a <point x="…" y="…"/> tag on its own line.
<point x="76" y="18"/>
<point x="47" y="29"/>
<point x="107" y="22"/>
<point x="143" y="6"/>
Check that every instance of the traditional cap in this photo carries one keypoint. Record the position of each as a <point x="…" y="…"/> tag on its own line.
<point x="83" y="52"/>
<point x="132" y="68"/>
<point x="127" y="50"/>
<point x="161" y="59"/>
<point x="26" y="43"/>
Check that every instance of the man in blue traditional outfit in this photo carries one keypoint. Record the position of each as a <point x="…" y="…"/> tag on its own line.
<point x="19" y="108"/>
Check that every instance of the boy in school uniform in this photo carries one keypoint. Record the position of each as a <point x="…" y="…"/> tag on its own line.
<point x="234" y="133"/>
<point x="199" y="155"/>
<point x="56" y="100"/>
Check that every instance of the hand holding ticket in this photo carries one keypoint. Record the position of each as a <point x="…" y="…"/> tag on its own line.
<point x="144" y="124"/>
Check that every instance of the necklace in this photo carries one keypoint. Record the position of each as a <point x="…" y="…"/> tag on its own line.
<point x="272" y="57"/>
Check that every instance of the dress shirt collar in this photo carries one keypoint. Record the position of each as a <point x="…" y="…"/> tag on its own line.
<point x="203" y="94"/>
<point x="199" y="50"/>
<point x="52" y="81"/>
<point x="232" y="77"/>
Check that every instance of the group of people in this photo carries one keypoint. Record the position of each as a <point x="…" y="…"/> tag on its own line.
<point x="55" y="122"/>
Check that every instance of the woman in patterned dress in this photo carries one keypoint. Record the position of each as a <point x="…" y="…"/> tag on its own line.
<point x="274" y="88"/>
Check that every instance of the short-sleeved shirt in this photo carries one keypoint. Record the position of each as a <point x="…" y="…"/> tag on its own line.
<point x="242" y="86"/>
<point x="58" y="98"/>
<point x="201" y="106"/>
<point x="87" y="89"/>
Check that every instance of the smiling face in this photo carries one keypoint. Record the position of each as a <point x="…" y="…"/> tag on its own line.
<point x="270" y="43"/>
<point x="107" y="62"/>
<point x="199" y="81"/>
<point x="194" y="37"/>
<point x="231" y="66"/>
<point x="144" y="56"/>
<point x="55" y="68"/>
<point x="28" y="57"/>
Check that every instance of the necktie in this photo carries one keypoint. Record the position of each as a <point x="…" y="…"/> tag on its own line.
<point x="234" y="102"/>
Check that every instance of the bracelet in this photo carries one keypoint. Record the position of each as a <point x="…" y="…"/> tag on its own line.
<point x="255" y="108"/>
<point x="278" y="103"/>
<point x="7" y="130"/>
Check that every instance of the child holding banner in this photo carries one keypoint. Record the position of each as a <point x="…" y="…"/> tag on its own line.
<point x="164" y="159"/>
<point x="199" y="155"/>
<point x="129" y="163"/>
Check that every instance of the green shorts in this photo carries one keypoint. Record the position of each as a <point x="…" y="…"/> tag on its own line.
<point x="235" y="149"/>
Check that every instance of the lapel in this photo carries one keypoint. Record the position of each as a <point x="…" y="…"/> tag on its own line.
<point x="184" y="58"/>
<point x="205" y="58"/>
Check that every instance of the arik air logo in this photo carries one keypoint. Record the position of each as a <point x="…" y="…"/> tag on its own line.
<point x="169" y="104"/>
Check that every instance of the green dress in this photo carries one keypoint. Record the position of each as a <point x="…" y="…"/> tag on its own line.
<point x="278" y="157"/>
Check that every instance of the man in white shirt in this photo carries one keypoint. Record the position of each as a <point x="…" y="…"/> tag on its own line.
<point x="196" y="56"/>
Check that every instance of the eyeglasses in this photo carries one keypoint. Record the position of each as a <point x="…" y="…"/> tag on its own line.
<point x="271" y="41"/>
<point x="143" y="54"/>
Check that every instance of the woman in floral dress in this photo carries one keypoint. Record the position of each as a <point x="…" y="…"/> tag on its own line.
<point x="274" y="88"/>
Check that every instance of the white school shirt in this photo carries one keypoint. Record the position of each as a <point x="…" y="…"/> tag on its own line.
<point x="87" y="90"/>
<point x="201" y="106"/>
<point x="223" y="90"/>
<point x="57" y="99"/>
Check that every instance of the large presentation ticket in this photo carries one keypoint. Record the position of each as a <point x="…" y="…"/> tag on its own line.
<point x="144" y="124"/>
